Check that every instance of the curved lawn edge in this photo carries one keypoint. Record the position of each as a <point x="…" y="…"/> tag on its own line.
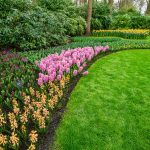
<point x="48" y="140"/>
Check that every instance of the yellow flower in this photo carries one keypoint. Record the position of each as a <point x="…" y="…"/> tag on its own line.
<point x="60" y="93"/>
<point x="31" y="91"/>
<point x="37" y="94"/>
<point x="14" y="140"/>
<point x="14" y="102"/>
<point x="36" y="114"/>
<point x="51" y="104"/>
<point x="23" y="128"/>
<point x="24" y="118"/>
<point x="45" y="112"/>
<point x="27" y="100"/>
<point x="33" y="136"/>
<point x="32" y="147"/>
<point x="41" y="121"/>
<point x="3" y="139"/>
<point x="43" y="99"/>
<point x="13" y="121"/>
<point x="2" y="120"/>
<point x="1" y="148"/>
<point x="62" y="84"/>
<point x="16" y="110"/>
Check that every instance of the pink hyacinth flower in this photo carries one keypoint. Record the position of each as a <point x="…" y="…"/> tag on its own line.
<point x="51" y="78"/>
<point x="45" y="78"/>
<point x="80" y="69"/>
<point x="85" y="73"/>
<point x="40" y="81"/>
<point x="67" y="70"/>
<point x="75" y="72"/>
<point x="59" y="77"/>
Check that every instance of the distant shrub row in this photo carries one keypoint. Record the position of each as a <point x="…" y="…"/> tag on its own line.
<point x="130" y="22"/>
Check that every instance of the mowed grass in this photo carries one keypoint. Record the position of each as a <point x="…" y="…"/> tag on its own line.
<point x="109" y="108"/>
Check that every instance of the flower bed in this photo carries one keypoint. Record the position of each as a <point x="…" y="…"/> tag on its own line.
<point x="115" y="45"/>
<point x="27" y="104"/>
<point x="128" y="34"/>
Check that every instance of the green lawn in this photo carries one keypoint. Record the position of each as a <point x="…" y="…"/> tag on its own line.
<point x="110" y="108"/>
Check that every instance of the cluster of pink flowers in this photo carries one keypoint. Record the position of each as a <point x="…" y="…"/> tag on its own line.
<point x="72" y="61"/>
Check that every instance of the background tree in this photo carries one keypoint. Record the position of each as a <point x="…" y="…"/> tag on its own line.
<point x="148" y="7"/>
<point x="89" y="17"/>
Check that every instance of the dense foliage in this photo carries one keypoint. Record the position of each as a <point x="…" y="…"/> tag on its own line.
<point x="27" y="25"/>
<point x="126" y="21"/>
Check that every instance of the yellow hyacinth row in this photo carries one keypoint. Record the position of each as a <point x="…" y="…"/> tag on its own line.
<point x="29" y="118"/>
<point x="144" y="31"/>
<point x="125" y="33"/>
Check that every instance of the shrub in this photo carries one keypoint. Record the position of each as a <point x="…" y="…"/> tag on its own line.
<point x="121" y="22"/>
<point x="100" y="16"/>
<point x="140" y="22"/>
<point x="31" y="28"/>
<point x="55" y="5"/>
<point x="75" y="26"/>
<point x="26" y="26"/>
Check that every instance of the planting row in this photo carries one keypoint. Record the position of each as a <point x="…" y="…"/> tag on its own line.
<point x="128" y="34"/>
<point x="30" y="93"/>
<point x="116" y="45"/>
<point x="96" y="39"/>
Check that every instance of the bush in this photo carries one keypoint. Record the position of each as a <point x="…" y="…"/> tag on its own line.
<point x="31" y="28"/>
<point x="140" y="22"/>
<point x="121" y="22"/>
<point x="26" y="26"/>
<point x="100" y="16"/>
<point x="55" y="5"/>
<point x="75" y="26"/>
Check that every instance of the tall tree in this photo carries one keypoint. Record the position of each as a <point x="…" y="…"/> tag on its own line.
<point x="125" y="4"/>
<point x="89" y="16"/>
<point x="110" y="3"/>
<point x="148" y="7"/>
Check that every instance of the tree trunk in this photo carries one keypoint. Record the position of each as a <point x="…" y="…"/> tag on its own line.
<point x="83" y="1"/>
<point x="111" y="2"/>
<point x="125" y="4"/>
<point x="148" y="8"/>
<point x="88" y="29"/>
